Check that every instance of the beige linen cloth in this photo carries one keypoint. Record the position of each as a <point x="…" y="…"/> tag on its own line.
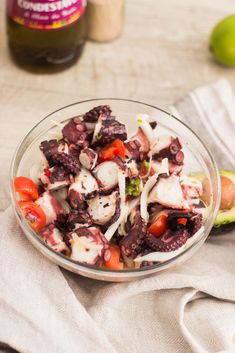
<point x="187" y="309"/>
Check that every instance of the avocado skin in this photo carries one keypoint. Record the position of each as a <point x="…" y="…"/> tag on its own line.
<point x="223" y="229"/>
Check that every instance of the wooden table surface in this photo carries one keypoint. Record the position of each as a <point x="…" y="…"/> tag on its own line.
<point x="162" y="54"/>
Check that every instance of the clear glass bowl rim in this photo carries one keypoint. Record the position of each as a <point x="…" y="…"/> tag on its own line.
<point x="63" y="260"/>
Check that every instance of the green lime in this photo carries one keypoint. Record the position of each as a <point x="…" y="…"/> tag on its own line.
<point x="222" y="41"/>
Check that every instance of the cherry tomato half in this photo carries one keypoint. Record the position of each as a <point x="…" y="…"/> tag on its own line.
<point x="182" y="221"/>
<point x="116" y="148"/>
<point x="34" y="214"/>
<point x="120" y="147"/>
<point x="159" y="226"/>
<point x="114" y="261"/>
<point x="26" y="187"/>
<point x="107" y="154"/>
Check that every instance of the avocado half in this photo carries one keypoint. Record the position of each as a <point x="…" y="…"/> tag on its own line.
<point x="225" y="219"/>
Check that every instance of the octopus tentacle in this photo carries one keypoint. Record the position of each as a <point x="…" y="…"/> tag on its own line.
<point x="170" y="242"/>
<point x="131" y="245"/>
<point x="68" y="161"/>
<point x="93" y="115"/>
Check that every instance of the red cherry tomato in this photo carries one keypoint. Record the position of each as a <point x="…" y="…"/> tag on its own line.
<point x="107" y="154"/>
<point x="114" y="261"/>
<point x="182" y="221"/>
<point x="116" y="148"/>
<point x="27" y="189"/>
<point x="120" y="148"/>
<point x="34" y="214"/>
<point x="159" y="226"/>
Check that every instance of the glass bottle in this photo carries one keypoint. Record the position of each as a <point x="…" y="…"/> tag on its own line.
<point x="47" y="34"/>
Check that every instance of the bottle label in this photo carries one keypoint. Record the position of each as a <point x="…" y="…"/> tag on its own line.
<point x="46" y="14"/>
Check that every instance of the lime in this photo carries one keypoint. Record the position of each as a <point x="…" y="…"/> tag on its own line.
<point x="222" y="41"/>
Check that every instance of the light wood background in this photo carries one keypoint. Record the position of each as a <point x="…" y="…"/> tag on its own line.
<point x="162" y="54"/>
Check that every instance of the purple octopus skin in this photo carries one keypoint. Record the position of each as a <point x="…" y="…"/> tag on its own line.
<point x="69" y="162"/>
<point x="194" y="223"/>
<point x="58" y="173"/>
<point x="61" y="222"/>
<point x="111" y="130"/>
<point x="94" y="232"/>
<point x="88" y="158"/>
<point x="118" y="160"/>
<point x="170" y="241"/>
<point x="56" y="177"/>
<point x="93" y="115"/>
<point x="51" y="148"/>
<point x="77" y="200"/>
<point x="74" y="132"/>
<point x="172" y="219"/>
<point x="153" y="124"/>
<point x="78" y="217"/>
<point x="172" y="152"/>
<point x="132" y="244"/>
<point x="67" y="235"/>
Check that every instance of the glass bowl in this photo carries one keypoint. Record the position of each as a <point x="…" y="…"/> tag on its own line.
<point x="197" y="158"/>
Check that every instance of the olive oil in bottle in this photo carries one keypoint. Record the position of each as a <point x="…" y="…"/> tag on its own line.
<point x="46" y="34"/>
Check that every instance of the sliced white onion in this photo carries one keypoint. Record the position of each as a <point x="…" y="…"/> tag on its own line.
<point x="90" y="126"/>
<point x="194" y="202"/>
<point x="132" y="168"/>
<point x="65" y="206"/>
<point x="204" y="211"/>
<point x="149" y="166"/>
<point x="85" y="160"/>
<point x="122" y="192"/>
<point x="56" y="132"/>
<point x="148" y="186"/>
<point x="156" y="165"/>
<point x="36" y="171"/>
<point x="97" y="130"/>
<point x="61" y="194"/>
<point x="129" y="206"/>
<point x="158" y="256"/>
<point x="143" y="122"/>
<point x="57" y="124"/>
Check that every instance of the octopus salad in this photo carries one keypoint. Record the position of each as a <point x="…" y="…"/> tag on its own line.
<point x="103" y="197"/>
